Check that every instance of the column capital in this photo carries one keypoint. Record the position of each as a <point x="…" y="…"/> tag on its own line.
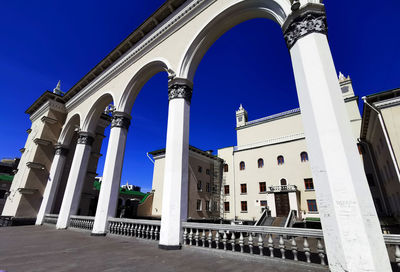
<point x="180" y="88"/>
<point x="121" y="120"/>
<point x="85" y="138"/>
<point x="61" y="150"/>
<point x="309" y="19"/>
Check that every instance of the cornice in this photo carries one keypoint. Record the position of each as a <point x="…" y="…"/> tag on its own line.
<point x="43" y="142"/>
<point x="387" y="103"/>
<point x="279" y="140"/>
<point x="49" y="105"/>
<point x="46" y="119"/>
<point x="174" y="22"/>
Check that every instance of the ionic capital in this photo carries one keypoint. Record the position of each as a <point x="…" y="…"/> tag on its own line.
<point x="307" y="20"/>
<point x="121" y="120"/>
<point x="60" y="150"/>
<point x="85" y="138"/>
<point x="180" y="88"/>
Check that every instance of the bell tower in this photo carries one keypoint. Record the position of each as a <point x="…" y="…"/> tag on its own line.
<point x="241" y="116"/>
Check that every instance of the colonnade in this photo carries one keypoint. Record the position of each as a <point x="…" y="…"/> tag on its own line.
<point x="346" y="207"/>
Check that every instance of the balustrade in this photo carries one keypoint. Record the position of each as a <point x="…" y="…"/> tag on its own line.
<point x="144" y="229"/>
<point x="50" y="219"/>
<point x="81" y="222"/>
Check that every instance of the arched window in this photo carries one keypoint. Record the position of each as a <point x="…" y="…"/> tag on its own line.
<point x="304" y="156"/>
<point x="226" y="167"/>
<point x="281" y="160"/>
<point x="242" y="165"/>
<point x="283" y="182"/>
<point x="260" y="163"/>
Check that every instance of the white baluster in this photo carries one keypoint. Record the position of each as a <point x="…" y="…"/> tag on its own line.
<point x="196" y="237"/>
<point x="135" y="230"/>
<point x="260" y="244"/>
<point x="217" y="240"/>
<point x="241" y="242"/>
<point x="152" y="232"/>
<point x="306" y="247"/>
<point x="271" y="245"/>
<point x="251" y="243"/>
<point x="397" y="255"/>
<point x="233" y="241"/>
<point x="191" y="236"/>
<point x="131" y="226"/>
<point x="282" y="246"/>
<point x="185" y="234"/>
<point x="225" y="239"/>
<point x="294" y="248"/>
<point x="147" y="232"/>
<point x="321" y="252"/>
<point x="203" y="239"/>
<point x="210" y="239"/>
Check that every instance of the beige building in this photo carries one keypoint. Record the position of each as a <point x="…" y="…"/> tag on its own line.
<point x="204" y="184"/>
<point x="380" y="134"/>
<point x="269" y="168"/>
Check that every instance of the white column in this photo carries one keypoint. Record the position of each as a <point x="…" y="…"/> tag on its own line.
<point x="352" y="232"/>
<point x="76" y="178"/>
<point x="175" y="188"/>
<point x="271" y="204"/>
<point x="53" y="182"/>
<point x="109" y="191"/>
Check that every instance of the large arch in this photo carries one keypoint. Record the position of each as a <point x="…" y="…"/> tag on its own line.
<point x="67" y="133"/>
<point x="238" y="13"/>
<point x="138" y="81"/>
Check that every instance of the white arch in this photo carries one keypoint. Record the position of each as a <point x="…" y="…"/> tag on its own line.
<point x="239" y="12"/>
<point x="69" y="129"/>
<point x="138" y="81"/>
<point x="92" y="117"/>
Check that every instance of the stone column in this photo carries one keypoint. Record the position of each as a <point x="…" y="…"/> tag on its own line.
<point x="76" y="178"/>
<point x="352" y="232"/>
<point x="110" y="185"/>
<point x="175" y="188"/>
<point x="55" y="175"/>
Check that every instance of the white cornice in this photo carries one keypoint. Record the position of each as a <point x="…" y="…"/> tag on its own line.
<point x="49" y="105"/>
<point x="279" y="140"/>
<point x="182" y="15"/>
<point x="387" y="103"/>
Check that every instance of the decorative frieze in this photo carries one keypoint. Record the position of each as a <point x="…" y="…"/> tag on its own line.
<point x="307" y="22"/>
<point x="121" y="120"/>
<point x="180" y="88"/>
<point x="61" y="150"/>
<point x="85" y="139"/>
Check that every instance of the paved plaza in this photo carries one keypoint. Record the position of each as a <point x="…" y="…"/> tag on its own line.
<point x="32" y="248"/>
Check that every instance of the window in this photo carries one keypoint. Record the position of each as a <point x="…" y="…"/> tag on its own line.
<point x="226" y="168"/>
<point x="263" y="187"/>
<point x="208" y="187"/>
<point x="208" y="205"/>
<point x="281" y="160"/>
<point x="242" y="165"/>
<point x="243" y="205"/>
<point x="207" y="171"/>
<point x="303" y="156"/>
<point x="199" y="186"/>
<point x="308" y="184"/>
<point x="283" y="182"/>
<point x="226" y="189"/>
<point x="312" y="205"/>
<point x="263" y="203"/>
<point x="243" y="188"/>
<point x="226" y="206"/>
<point x="260" y="163"/>
<point x="200" y="169"/>
<point x="214" y="207"/>
<point x="198" y="206"/>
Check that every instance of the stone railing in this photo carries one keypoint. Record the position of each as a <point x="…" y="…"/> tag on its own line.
<point x="81" y="222"/>
<point x="283" y="188"/>
<point x="304" y="245"/>
<point x="50" y="219"/>
<point x="145" y="229"/>
<point x="393" y="245"/>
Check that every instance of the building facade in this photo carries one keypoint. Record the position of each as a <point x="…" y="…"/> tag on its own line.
<point x="269" y="168"/>
<point x="203" y="188"/>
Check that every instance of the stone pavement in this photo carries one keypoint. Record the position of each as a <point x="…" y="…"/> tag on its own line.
<point x="32" y="248"/>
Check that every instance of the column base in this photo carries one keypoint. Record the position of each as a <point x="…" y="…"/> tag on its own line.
<point x="98" y="234"/>
<point x="165" y="247"/>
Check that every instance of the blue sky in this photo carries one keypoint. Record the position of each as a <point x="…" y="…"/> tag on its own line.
<point x="47" y="41"/>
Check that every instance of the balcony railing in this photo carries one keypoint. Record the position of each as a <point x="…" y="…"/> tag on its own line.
<point x="50" y="219"/>
<point x="282" y="188"/>
<point x="145" y="229"/>
<point x="81" y="222"/>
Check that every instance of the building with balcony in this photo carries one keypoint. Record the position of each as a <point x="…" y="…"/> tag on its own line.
<point x="269" y="167"/>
